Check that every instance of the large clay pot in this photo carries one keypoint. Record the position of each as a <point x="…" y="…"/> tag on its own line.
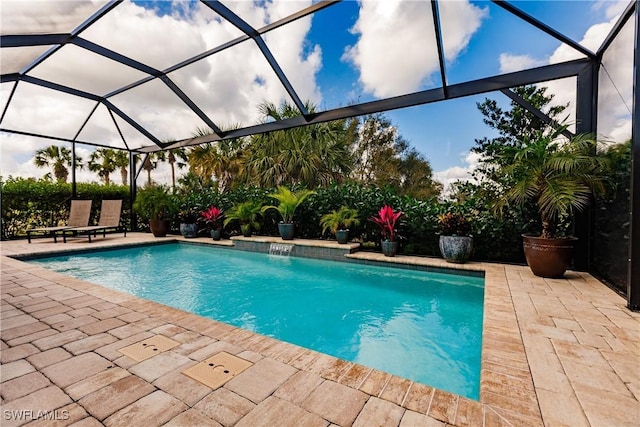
<point x="342" y="236"/>
<point x="456" y="249"/>
<point x="389" y="248"/>
<point x="548" y="257"/>
<point x="286" y="229"/>
<point x="159" y="227"/>
<point x="188" y="230"/>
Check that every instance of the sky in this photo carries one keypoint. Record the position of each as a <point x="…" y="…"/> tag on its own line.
<point x="350" y="52"/>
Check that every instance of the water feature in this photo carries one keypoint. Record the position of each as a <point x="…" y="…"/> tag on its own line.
<point x="281" y="249"/>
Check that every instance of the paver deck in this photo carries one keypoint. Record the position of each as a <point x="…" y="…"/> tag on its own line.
<point x="555" y="352"/>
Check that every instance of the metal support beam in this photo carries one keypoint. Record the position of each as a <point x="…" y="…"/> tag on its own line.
<point x="243" y="26"/>
<point x="137" y="174"/>
<point x="33" y="40"/>
<point x="586" y="122"/>
<point x="441" y="58"/>
<point x="544" y="27"/>
<point x="10" y="97"/>
<point x="133" y="190"/>
<point x="192" y="105"/>
<point x="633" y="276"/>
<point x="54" y="138"/>
<point x="74" y="189"/>
<point x="490" y="84"/>
<point x="628" y="12"/>
<point x="533" y="110"/>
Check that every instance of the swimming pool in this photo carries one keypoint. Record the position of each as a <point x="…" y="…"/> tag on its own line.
<point x="423" y="326"/>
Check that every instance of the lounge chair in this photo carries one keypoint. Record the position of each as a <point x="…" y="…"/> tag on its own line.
<point x="109" y="220"/>
<point x="78" y="217"/>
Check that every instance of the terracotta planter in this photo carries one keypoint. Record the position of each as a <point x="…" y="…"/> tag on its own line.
<point x="389" y="248"/>
<point x="548" y="257"/>
<point x="342" y="236"/>
<point x="456" y="249"/>
<point x="286" y="229"/>
<point x="159" y="227"/>
<point x="189" y="230"/>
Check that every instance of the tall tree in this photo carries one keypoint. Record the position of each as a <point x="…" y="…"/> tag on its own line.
<point x="121" y="160"/>
<point x="514" y="126"/>
<point x="151" y="163"/>
<point x="311" y="155"/>
<point x="416" y="176"/>
<point x="103" y="162"/>
<point x="378" y="151"/>
<point x="222" y="160"/>
<point x="58" y="158"/>
<point x="176" y="157"/>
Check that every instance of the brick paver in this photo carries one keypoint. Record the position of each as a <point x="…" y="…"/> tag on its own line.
<point x="555" y="352"/>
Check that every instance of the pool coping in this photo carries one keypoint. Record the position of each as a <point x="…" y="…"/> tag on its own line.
<point x="507" y="391"/>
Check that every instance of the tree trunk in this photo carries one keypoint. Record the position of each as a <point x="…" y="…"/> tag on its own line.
<point x="123" y="175"/>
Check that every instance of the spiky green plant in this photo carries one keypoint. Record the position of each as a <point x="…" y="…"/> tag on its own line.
<point x="288" y="202"/>
<point x="559" y="175"/>
<point x="340" y="219"/>
<point x="247" y="213"/>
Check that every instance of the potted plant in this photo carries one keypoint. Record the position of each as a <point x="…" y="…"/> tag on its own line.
<point x="213" y="219"/>
<point x="156" y="205"/>
<point x="386" y="220"/>
<point x="247" y="214"/>
<point x="288" y="202"/>
<point x="559" y="176"/>
<point x="339" y="221"/>
<point x="455" y="243"/>
<point x="188" y="217"/>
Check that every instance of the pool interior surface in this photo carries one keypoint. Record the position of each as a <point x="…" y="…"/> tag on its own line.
<point x="423" y="326"/>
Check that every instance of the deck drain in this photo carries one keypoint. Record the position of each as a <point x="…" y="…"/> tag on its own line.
<point x="218" y="369"/>
<point x="148" y="348"/>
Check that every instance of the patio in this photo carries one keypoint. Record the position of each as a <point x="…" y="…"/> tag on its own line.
<point x="555" y="352"/>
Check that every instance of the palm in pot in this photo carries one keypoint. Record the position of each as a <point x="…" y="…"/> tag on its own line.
<point x="339" y="221"/>
<point x="288" y="202"/>
<point x="247" y="213"/>
<point x="559" y="176"/>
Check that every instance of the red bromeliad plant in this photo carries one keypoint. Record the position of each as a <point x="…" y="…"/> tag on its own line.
<point x="212" y="216"/>
<point x="386" y="220"/>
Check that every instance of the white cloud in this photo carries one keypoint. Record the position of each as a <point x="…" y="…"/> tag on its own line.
<point x="389" y="57"/>
<point x="612" y="8"/>
<point x="614" y="119"/>
<point x="227" y="86"/>
<point x="453" y="174"/>
<point x="510" y="63"/>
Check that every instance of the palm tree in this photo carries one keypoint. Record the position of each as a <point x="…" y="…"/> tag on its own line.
<point x="222" y="160"/>
<point x="176" y="156"/>
<point x="558" y="176"/>
<point x="121" y="160"/>
<point x="59" y="158"/>
<point x="311" y="155"/>
<point x="151" y="162"/>
<point x="102" y="161"/>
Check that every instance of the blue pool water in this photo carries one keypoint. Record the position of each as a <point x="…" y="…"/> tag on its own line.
<point x="423" y="326"/>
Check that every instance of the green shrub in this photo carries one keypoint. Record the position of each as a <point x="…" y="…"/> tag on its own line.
<point x="28" y="203"/>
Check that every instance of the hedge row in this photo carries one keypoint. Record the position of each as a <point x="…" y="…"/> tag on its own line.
<point x="27" y="203"/>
